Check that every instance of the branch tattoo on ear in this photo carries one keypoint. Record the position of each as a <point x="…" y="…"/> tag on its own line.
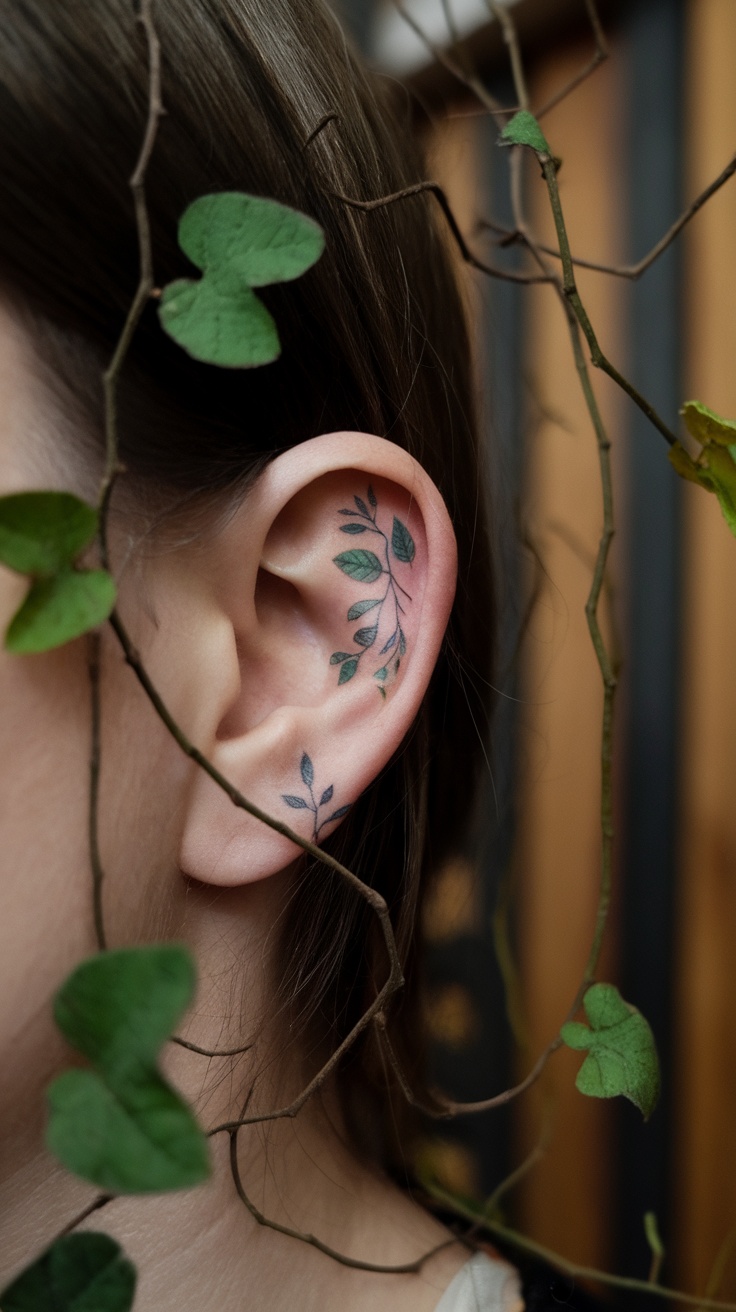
<point x="366" y="567"/>
<point x="306" y="769"/>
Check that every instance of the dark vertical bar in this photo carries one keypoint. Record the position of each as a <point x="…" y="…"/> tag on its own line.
<point x="485" y="1066"/>
<point x="653" y="38"/>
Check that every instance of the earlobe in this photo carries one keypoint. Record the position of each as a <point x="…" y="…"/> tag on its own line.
<point x="338" y="622"/>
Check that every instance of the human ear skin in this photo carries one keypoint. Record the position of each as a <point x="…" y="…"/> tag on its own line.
<point x="337" y="576"/>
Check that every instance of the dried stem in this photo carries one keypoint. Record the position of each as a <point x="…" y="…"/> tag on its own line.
<point x="507" y="236"/>
<point x="522" y="1170"/>
<point x="577" y="318"/>
<point x="210" y="1052"/>
<point x="446" y="1108"/>
<point x="574" y="1269"/>
<point x="434" y="188"/>
<point x="468" y="79"/>
<point x="599" y="57"/>
<point x="145" y="280"/>
<point x="97" y="1203"/>
<point x="404" y="1268"/>
<point x="112" y="467"/>
<point x="510" y="36"/>
<point x="394" y="980"/>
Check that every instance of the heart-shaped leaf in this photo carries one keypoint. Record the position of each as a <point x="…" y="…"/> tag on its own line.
<point x="219" y="324"/>
<point x="715" y="467"/>
<point x="524" y="130"/>
<point x="706" y="426"/>
<point x="622" y="1057"/>
<point x="119" y="1008"/>
<point x="40" y="532"/>
<point x="133" y="1136"/>
<point x="257" y="240"/>
<point x="79" y="1273"/>
<point x="239" y="242"/>
<point x="120" y="1125"/>
<point x="60" y="608"/>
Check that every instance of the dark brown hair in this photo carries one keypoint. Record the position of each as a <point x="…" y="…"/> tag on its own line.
<point x="373" y="339"/>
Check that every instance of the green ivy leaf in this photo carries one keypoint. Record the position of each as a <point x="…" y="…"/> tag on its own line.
<point x="715" y="467"/>
<point x="706" y="426"/>
<point x="364" y="566"/>
<point x="338" y="656"/>
<point x="353" y="528"/>
<point x="60" y="608"/>
<point x="402" y="542"/>
<point x="524" y="130"/>
<point x="131" y="1138"/>
<point x="229" y="327"/>
<point x="239" y="242"/>
<point x="120" y="1125"/>
<point x="622" y="1055"/>
<point x="41" y="532"/>
<point x="79" y="1273"/>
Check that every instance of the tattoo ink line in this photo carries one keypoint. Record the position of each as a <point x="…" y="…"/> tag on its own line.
<point x="366" y="567"/>
<point x="306" y="769"/>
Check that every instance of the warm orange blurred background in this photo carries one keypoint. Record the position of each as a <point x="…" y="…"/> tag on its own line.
<point x="639" y="140"/>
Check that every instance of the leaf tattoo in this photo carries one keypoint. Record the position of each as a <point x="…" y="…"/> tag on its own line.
<point x="366" y="567"/>
<point x="306" y="770"/>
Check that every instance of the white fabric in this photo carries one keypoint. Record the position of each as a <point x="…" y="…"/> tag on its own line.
<point x="483" y="1285"/>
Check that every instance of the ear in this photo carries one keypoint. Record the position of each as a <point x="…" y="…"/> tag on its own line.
<point x="335" y="577"/>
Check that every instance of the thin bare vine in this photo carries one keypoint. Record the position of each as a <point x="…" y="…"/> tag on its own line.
<point x="580" y="328"/>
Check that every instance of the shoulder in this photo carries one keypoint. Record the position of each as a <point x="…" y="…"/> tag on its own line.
<point x="483" y="1284"/>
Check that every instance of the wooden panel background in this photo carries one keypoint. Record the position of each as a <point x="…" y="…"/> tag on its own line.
<point x="565" y="1201"/>
<point x="706" y="1191"/>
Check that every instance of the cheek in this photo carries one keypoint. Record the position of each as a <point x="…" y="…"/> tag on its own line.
<point x="46" y="922"/>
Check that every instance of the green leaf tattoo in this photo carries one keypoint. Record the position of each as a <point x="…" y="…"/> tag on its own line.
<point x="306" y="769"/>
<point x="366" y="567"/>
<point x="622" y="1057"/>
<point x="41" y="534"/>
<point x="79" y="1273"/>
<point x="239" y="242"/>
<point x="363" y="566"/>
<point x="120" y="1124"/>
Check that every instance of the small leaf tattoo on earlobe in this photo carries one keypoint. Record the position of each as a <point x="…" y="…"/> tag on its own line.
<point x="306" y="769"/>
<point x="366" y="567"/>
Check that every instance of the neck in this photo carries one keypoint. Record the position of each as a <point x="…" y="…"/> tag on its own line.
<point x="201" y="1248"/>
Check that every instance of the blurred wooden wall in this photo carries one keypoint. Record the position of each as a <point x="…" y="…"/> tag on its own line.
<point x="706" y="1140"/>
<point x="566" y="1200"/>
